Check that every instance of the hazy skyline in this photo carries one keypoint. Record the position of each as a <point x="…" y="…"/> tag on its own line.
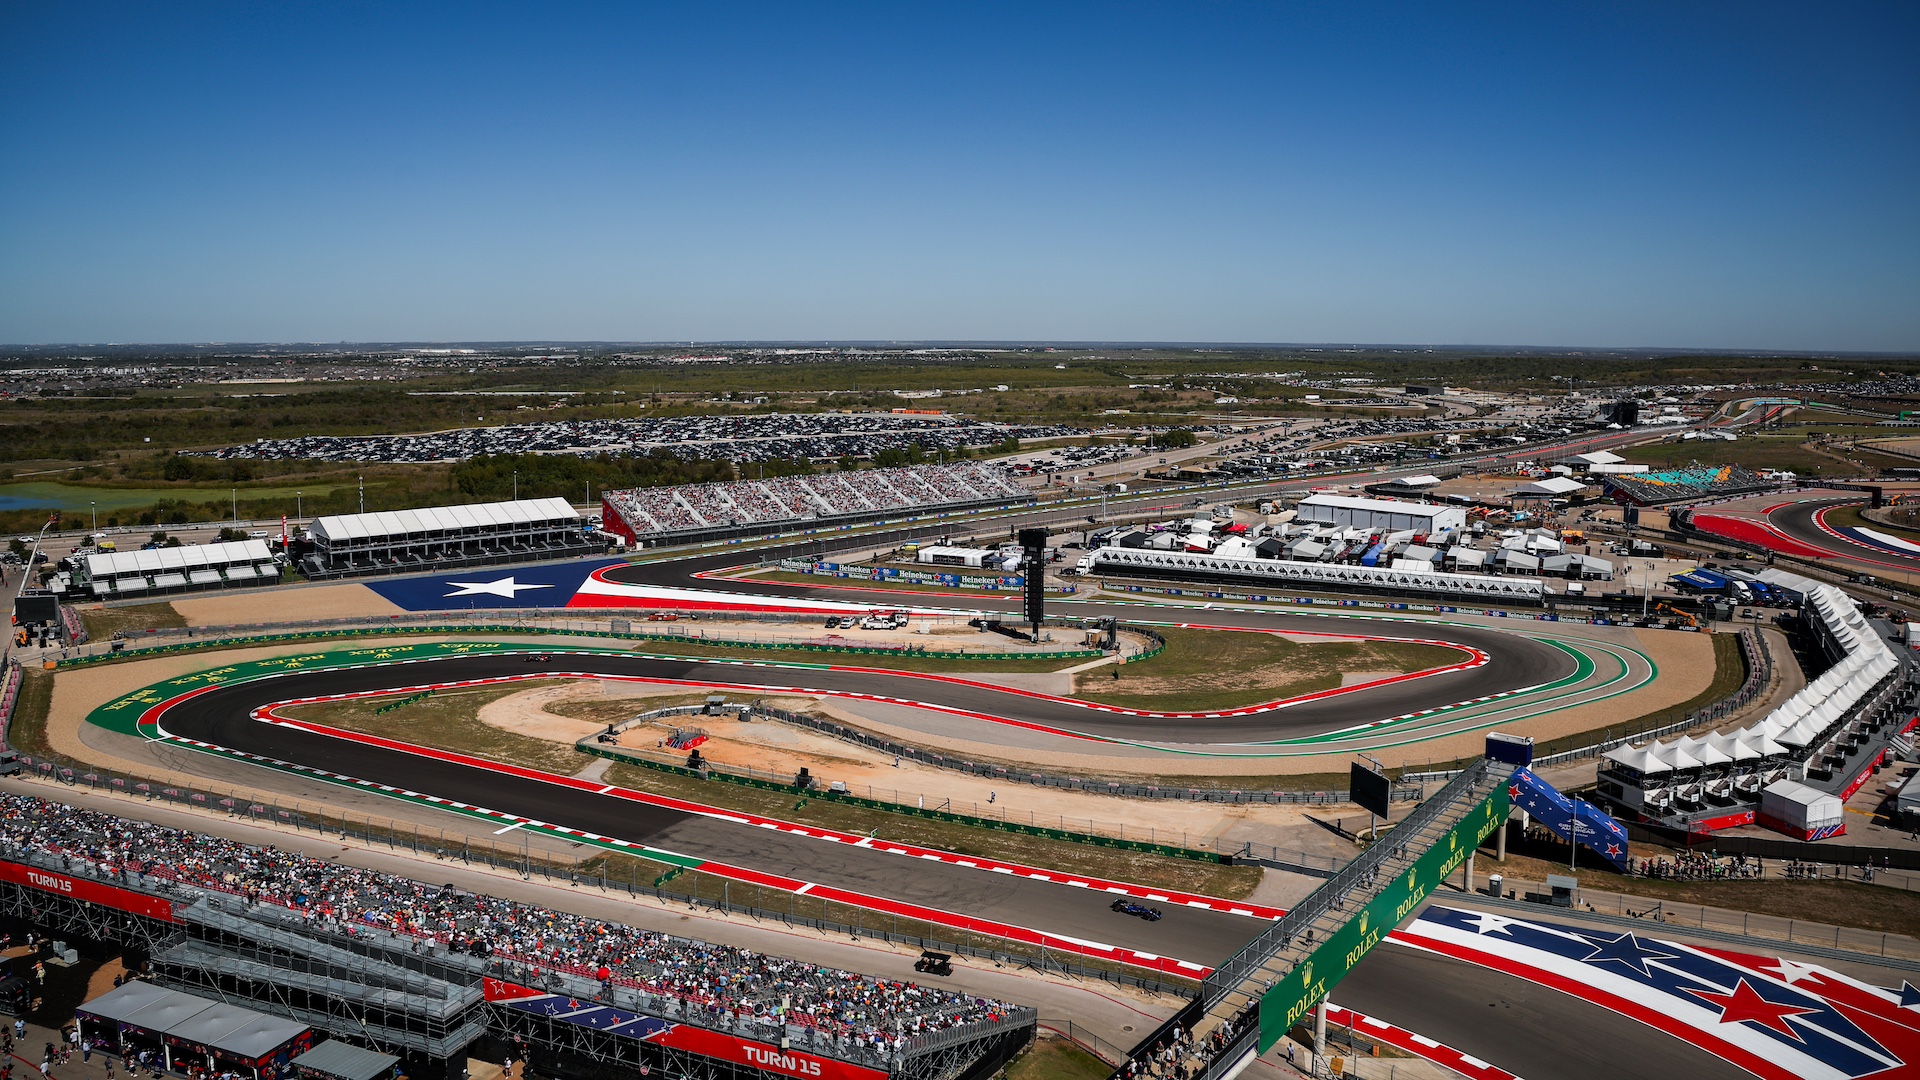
<point x="1739" y="176"/>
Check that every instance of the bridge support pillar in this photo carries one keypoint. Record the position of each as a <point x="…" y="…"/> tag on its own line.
<point x="1466" y="869"/>
<point x="1320" y="1029"/>
<point x="1500" y="842"/>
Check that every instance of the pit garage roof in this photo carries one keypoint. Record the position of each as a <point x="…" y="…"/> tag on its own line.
<point x="1378" y="506"/>
<point x="177" y="559"/>
<point x="338" y="527"/>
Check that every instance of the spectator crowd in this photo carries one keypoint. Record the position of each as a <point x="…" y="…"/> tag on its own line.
<point x="721" y="981"/>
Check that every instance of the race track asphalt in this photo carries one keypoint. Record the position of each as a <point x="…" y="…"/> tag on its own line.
<point x="1531" y="1030"/>
<point x="1514" y="661"/>
<point x="1797" y="521"/>
<point x="222" y="716"/>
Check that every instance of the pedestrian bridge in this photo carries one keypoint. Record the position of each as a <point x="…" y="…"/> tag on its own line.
<point x="1254" y="998"/>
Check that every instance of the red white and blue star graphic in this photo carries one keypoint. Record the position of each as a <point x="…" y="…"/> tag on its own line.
<point x="1776" y="1018"/>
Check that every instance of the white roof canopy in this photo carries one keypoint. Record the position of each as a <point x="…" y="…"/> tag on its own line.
<point x="429" y="519"/>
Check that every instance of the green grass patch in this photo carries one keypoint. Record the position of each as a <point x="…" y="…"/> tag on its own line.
<point x="1160" y="871"/>
<point x="81" y="499"/>
<point x="1729" y="671"/>
<point x="27" y="731"/>
<point x="1753" y="452"/>
<point x="1052" y="1058"/>
<point x="1206" y="670"/>
<point x="1849" y="516"/>
<point x="132" y="621"/>
<point x="449" y="720"/>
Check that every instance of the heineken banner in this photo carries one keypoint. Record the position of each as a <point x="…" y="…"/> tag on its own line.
<point x="1290" y="999"/>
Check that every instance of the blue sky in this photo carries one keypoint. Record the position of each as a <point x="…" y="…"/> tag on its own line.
<point x="1672" y="175"/>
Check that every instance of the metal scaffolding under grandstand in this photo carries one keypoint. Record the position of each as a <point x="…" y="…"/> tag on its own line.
<point x="444" y="536"/>
<point x="384" y="994"/>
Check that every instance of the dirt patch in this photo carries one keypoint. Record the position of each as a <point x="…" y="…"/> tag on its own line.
<point x="317" y="602"/>
<point x="571" y="710"/>
<point x="103" y="622"/>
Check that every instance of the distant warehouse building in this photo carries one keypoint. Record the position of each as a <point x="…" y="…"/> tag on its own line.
<point x="445" y="536"/>
<point x="1349" y="512"/>
<point x="115" y="574"/>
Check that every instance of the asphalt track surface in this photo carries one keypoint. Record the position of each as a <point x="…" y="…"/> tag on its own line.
<point x="223" y="716"/>
<point x="1514" y="661"/>
<point x="1535" y="1031"/>
<point x="1799" y="522"/>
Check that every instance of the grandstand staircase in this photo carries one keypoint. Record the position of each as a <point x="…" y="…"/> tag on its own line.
<point x="1239" y="983"/>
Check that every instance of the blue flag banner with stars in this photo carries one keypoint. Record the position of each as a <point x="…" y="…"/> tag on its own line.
<point x="1595" y="829"/>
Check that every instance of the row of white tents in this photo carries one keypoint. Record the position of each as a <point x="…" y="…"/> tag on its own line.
<point x="1777" y="747"/>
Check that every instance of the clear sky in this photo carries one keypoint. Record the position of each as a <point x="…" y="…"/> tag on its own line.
<point x="1669" y="174"/>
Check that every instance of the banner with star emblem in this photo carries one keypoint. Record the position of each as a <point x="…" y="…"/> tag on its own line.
<point x="485" y="587"/>
<point x="1566" y="818"/>
<point x="1778" y="1019"/>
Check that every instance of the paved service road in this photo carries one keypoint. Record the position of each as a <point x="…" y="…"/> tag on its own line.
<point x="1527" y="1029"/>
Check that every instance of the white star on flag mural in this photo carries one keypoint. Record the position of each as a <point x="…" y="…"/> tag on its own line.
<point x="505" y="586"/>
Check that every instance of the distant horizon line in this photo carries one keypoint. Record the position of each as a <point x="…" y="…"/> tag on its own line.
<point x="957" y="343"/>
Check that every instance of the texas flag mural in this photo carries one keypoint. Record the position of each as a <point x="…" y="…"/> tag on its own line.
<point x="1778" y="1019"/>
<point x="482" y="588"/>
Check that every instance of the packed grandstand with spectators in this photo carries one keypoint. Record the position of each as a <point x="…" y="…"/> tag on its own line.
<point x="756" y="437"/>
<point x="1684" y="485"/>
<point x="641" y="513"/>
<point x="743" y="984"/>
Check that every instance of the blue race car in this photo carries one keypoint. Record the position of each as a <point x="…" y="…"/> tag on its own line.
<point x="1139" y="911"/>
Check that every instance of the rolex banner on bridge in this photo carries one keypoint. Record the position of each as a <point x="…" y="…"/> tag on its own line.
<point x="1290" y="999"/>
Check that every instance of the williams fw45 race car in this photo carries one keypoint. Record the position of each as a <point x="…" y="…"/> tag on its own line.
<point x="1138" y="911"/>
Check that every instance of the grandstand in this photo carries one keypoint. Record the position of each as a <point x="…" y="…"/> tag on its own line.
<point x="174" y="569"/>
<point x="1683" y="485"/>
<point x="745" y="507"/>
<point x="443" y="968"/>
<point x="444" y="536"/>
